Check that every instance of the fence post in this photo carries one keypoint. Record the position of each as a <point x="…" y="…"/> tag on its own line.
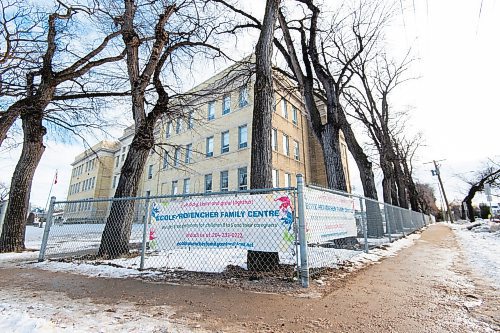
<point x="144" y="233"/>
<point x="304" y="264"/>
<point x="364" y="222"/>
<point x="48" y="224"/>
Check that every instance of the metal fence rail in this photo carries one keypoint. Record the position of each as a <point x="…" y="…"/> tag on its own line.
<point x="280" y="232"/>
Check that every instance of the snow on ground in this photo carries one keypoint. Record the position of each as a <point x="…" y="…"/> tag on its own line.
<point x="482" y="248"/>
<point x="28" y="312"/>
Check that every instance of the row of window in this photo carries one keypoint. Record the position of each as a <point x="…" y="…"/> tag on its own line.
<point x="284" y="111"/>
<point x="79" y="206"/>
<point x="86" y="167"/>
<point x="226" y="103"/>
<point x="224" y="141"/>
<point x="85" y="185"/>
<point x="287" y="179"/>
<point x="286" y="144"/>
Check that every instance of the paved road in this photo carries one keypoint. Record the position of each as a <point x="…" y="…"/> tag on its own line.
<point x="425" y="288"/>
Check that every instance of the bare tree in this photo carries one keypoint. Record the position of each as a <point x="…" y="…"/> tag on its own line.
<point x="54" y="75"/>
<point x="177" y="29"/>
<point x="489" y="174"/>
<point x="426" y="198"/>
<point x="369" y="103"/>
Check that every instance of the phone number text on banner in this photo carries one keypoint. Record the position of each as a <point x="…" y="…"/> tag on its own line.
<point x="261" y="222"/>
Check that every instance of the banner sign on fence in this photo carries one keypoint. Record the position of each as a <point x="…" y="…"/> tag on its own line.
<point x="260" y="222"/>
<point x="328" y="216"/>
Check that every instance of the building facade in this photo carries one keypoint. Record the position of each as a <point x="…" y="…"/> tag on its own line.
<point x="206" y="146"/>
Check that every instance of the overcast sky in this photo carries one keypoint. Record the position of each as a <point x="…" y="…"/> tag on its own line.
<point x="454" y="100"/>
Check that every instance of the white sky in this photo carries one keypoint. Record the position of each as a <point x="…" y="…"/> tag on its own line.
<point x="454" y="100"/>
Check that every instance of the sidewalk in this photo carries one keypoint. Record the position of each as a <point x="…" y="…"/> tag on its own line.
<point x="425" y="288"/>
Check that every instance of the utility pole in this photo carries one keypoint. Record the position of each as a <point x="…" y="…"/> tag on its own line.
<point x="437" y="173"/>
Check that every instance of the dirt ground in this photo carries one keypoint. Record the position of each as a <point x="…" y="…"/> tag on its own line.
<point x="425" y="288"/>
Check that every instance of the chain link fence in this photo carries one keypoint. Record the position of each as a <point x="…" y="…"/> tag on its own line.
<point x="286" y="232"/>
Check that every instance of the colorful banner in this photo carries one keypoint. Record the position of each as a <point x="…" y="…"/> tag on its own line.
<point x="260" y="222"/>
<point x="328" y="216"/>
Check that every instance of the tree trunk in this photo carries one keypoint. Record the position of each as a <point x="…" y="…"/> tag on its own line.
<point x="8" y="118"/>
<point x="12" y="239"/>
<point x="329" y="137"/>
<point x="116" y="235"/>
<point x="401" y="185"/>
<point x="261" y="159"/>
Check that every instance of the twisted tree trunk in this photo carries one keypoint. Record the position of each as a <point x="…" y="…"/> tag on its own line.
<point x="12" y="239"/>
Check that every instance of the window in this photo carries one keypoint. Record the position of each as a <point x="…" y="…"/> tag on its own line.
<point x="189" y="153"/>
<point x="243" y="97"/>
<point x="178" y="127"/>
<point x="174" y="187"/>
<point x="211" y="110"/>
<point x="148" y="193"/>
<point x="150" y="171"/>
<point x="288" y="179"/>
<point x="276" y="178"/>
<point x="242" y="178"/>
<point x="123" y="157"/>
<point x="224" y="142"/>
<point x="168" y="130"/>
<point x="177" y="156"/>
<point x="210" y="147"/>
<point x="186" y="185"/>
<point x="242" y="136"/>
<point x="284" y="110"/>
<point x="208" y="183"/>
<point x="226" y="104"/>
<point x="286" y="150"/>
<point x="124" y="149"/>
<point x="93" y="182"/>
<point x="294" y="115"/>
<point x="165" y="160"/>
<point x="190" y="122"/>
<point x="224" y="181"/>
<point x="296" y="150"/>
<point x="274" y="139"/>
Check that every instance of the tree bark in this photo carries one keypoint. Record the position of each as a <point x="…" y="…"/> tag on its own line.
<point x="401" y="184"/>
<point x="12" y="239"/>
<point x="261" y="155"/>
<point x="333" y="160"/>
<point x="8" y="118"/>
<point x="116" y="234"/>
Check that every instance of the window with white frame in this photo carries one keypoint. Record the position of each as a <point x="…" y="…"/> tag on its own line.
<point x="296" y="150"/>
<point x="274" y="139"/>
<point x="190" y="121"/>
<point x="286" y="149"/>
<point x="211" y="110"/>
<point x="189" y="153"/>
<point x="242" y="136"/>
<point x="224" y="181"/>
<point x="165" y="160"/>
<point x="208" y="183"/>
<point x="276" y="178"/>
<point x="168" y="130"/>
<point x="294" y="115"/>
<point x="186" y="186"/>
<point x="178" y="126"/>
<point x="284" y="108"/>
<point x="243" y="96"/>
<point x="210" y="147"/>
<point x="224" y="142"/>
<point x="288" y="179"/>
<point x="177" y="156"/>
<point x="150" y="171"/>
<point x="174" y="187"/>
<point x="226" y="104"/>
<point x="242" y="178"/>
<point x="114" y="181"/>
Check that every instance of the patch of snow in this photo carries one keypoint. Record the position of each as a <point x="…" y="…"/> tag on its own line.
<point x="482" y="248"/>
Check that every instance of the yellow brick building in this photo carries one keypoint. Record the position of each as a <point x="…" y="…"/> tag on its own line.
<point x="206" y="147"/>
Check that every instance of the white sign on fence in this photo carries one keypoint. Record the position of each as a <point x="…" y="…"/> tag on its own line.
<point x="328" y="216"/>
<point x="260" y="222"/>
